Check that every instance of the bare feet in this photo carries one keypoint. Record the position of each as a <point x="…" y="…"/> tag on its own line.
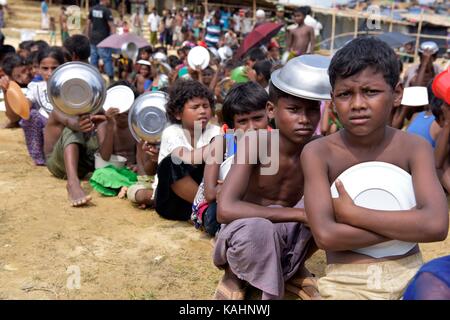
<point x="230" y="287"/>
<point x="77" y="196"/>
<point x="123" y="193"/>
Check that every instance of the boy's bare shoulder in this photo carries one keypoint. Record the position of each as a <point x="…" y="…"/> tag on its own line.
<point x="408" y="142"/>
<point x="321" y="144"/>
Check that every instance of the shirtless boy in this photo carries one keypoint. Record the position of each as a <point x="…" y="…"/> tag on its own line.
<point x="364" y="76"/>
<point x="265" y="240"/>
<point x="302" y="37"/>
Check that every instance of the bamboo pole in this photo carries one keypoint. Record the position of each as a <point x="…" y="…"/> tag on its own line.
<point x="355" y="35"/>
<point x="419" y="30"/>
<point x="333" y="29"/>
<point x="392" y="16"/>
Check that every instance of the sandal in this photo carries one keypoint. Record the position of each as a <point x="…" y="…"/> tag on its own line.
<point x="304" y="286"/>
<point x="224" y="293"/>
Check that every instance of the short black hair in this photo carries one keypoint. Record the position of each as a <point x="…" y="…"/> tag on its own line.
<point x="275" y="93"/>
<point x="303" y="10"/>
<point x="11" y="61"/>
<point x="181" y="92"/>
<point x="255" y="54"/>
<point x="147" y="49"/>
<point x="6" y="50"/>
<point x="434" y="102"/>
<point x="263" y="67"/>
<point x="41" y="44"/>
<point x="173" y="61"/>
<point x="125" y="83"/>
<point x="362" y="53"/>
<point x="51" y="52"/>
<point x="308" y="10"/>
<point x="239" y="101"/>
<point x="26" y="45"/>
<point x="78" y="45"/>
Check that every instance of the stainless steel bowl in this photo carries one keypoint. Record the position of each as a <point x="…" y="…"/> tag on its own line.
<point x="305" y="77"/>
<point x="428" y="45"/>
<point x="130" y="50"/>
<point x="147" y="116"/>
<point x="76" y="88"/>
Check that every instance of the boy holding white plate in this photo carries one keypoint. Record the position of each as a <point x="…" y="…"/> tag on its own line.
<point x="364" y="76"/>
<point x="264" y="239"/>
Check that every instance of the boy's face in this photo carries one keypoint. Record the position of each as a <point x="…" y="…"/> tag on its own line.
<point x="22" y="75"/>
<point x="207" y="75"/>
<point x="144" y="55"/>
<point x="195" y="109"/>
<point x="144" y="70"/>
<point x="295" y="117"/>
<point x="364" y="101"/>
<point x="299" y="18"/>
<point x="274" y="53"/>
<point x="182" y="55"/>
<point x="122" y="120"/>
<point x="251" y="121"/>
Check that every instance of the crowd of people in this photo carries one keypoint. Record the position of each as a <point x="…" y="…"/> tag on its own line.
<point x="265" y="226"/>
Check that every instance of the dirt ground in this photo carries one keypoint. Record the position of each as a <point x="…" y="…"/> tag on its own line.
<point x="121" y="252"/>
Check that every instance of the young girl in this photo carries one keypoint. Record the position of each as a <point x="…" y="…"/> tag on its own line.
<point x="143" y="79"/>
<point x="241" y="111"/>
<point x="48" y="59"/>
<point x="177" y="181"/>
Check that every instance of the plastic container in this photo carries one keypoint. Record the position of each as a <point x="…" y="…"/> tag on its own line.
<point x="441" y="86"/>
<point x="115" y="160"/>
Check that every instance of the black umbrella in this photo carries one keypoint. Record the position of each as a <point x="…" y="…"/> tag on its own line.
<point x="395" y="39"/>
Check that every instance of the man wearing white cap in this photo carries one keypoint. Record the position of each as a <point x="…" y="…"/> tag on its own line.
<point x="420" y="74"/>
<point x="260" y="17"/>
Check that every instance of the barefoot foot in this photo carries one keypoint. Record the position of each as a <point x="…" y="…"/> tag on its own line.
<point x="77" y="197"/>
<point x="123" y="192"/>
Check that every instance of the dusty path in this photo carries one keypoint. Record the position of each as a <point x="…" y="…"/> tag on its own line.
<point x="121" y="252"/>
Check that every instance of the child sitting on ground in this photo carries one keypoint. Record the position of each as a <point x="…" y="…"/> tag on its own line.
<point x="241" y="111"/>
<point x="48" y="60"/>
<point x="118" y="141"/>
<point x="16" y="69"/>
<point x="70" y="148"/>
<point x="364" y="76"/>
<point x="190" y="108"/>
<point x="264" y="240"/>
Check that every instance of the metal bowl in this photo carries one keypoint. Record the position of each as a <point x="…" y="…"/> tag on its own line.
<point x="76" y="88"/>
<point x="428" y="45"/>
<point x="147" y="116"/>
<point x="305" y="77"/>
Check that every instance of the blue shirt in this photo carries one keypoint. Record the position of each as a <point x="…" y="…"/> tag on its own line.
<point x="44" y="7"/>
<point x="421" y="126"/>
<point x="224" y="18"/>
<point x="213" y="33"/>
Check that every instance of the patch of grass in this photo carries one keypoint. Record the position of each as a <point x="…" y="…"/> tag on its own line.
<point x="148" y="295"/>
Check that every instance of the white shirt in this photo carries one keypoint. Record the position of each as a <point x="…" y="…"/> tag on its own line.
<point x="37" y="94"/>
<point x="237" y="22"/>
<point x="153" y="21"/>
<point x="175" y="136"/>
<point x="316" y="25"/>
